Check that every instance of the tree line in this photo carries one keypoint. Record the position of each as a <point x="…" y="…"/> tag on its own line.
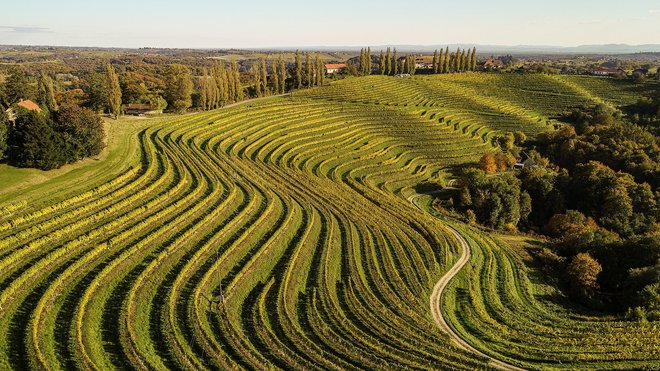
<point x="68" y="129"/>
<point x="390" y="63"/>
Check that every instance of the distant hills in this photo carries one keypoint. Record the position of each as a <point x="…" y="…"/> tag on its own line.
<point x="596" y="49"/>
<point x="510" y="49"/>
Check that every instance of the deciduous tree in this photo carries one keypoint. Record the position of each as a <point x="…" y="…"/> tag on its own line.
<point x="297" y="77"/>
<point x="178" y="87"/>
<point x="114" y="91"/>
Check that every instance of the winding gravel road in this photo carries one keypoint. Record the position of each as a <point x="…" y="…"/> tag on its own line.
<point x="436" y="299"/>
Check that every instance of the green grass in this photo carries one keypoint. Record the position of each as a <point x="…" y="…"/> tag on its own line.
<point x="294" y="211"/>
<point x="122" y="151"/>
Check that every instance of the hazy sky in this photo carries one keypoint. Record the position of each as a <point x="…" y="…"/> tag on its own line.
<point x="261" y="23"/>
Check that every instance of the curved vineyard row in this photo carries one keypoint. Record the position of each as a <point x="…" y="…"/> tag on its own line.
<point x="276" y="234"/>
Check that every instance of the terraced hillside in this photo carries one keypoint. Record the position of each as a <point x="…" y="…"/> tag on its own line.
<point x="279" y="234"/>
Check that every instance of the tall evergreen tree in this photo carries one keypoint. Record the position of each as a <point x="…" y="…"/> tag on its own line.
<point x="445" y="66"/>
<point x="282" y="72"/>
<point x="33" y="142"/>
<point x="17" y="87"/>
<point x="114" y="91"/>
<point x="473" y="65"/>
<point x="435" y="61"/>
<point x="462" y="61"/>
<point x="297" y="77"/>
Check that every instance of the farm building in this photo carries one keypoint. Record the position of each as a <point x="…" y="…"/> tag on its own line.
<point x="422" y="62"/>
<point x="493" y="63"/>
<point x="335" y="67"/>
<point x="27" y="104"/>
<point x="137" y="109"/>
<point x="608" y="71"/>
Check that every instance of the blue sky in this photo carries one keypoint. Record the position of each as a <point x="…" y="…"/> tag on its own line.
<point x="260" y="23"/>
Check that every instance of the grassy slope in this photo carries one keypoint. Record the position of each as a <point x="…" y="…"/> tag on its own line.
<point x="121" y="153"/>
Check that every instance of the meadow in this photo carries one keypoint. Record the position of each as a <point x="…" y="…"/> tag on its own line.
<point x="280" y="234"/>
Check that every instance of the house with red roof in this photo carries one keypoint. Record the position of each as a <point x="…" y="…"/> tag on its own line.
<point x="27" y="104"/>
<point x="335" y="67"/>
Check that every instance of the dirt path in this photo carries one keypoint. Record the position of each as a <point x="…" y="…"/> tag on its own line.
<point x="436" y="300"/>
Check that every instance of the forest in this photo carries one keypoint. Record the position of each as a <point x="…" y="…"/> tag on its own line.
<point x="592" y="187"/>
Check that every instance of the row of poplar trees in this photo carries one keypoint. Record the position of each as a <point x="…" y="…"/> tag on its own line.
<point x="391" y="64"/>
<point x="461" y="61"/>
<point x="218" y="86"/>
<point x="309" y="75"/>
<point x="273" y="80"/>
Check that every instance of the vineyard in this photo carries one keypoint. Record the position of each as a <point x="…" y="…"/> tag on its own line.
<point x="280" y="234"/>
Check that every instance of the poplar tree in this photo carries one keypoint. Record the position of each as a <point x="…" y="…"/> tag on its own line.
<point x="231" y="86"/>
<point x="395" y="64"/>
<point x="381" y="63"/>
<point x="435" y="61"/>
<point x="473" y="65"/>
<point x="388" y="62"/>
<point x="114" y="91"/>
<point x="256" y="78"/>
<point x="47" y="93"/>
<point x="214" y="92"/>
<point x="202" y="91"/>
<point x="298" y="72"/>
<point x="274" y="78"/>
<point x="178" y="87"/>
<point x="468" y="60"/>
<point x="309" y="72"/>
<point x="445" y="67"/>
<point x="264" y="77"/>
<point x="457" y="59"/>
<point x="236" y="82"/>
<point x="282" y="75"/>
<point x="220" y="73"/>
<point x="363" y="61"/>
<point x="462" y="61"/>
<point x="320" y="73"/>
<point x="368" y="64"/>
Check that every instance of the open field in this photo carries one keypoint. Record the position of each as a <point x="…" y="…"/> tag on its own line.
<point x="278" y="234"/>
